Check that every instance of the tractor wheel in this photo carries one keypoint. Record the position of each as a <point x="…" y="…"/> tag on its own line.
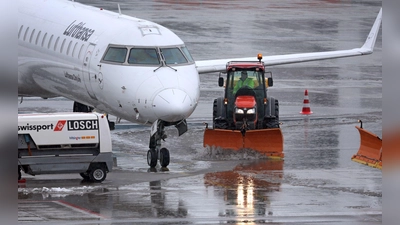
<point x="273" y="122"/>
<point x="219" y="117"/>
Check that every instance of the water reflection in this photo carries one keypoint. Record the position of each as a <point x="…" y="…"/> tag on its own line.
<point x="246" y="189"/>
<point x="160" y="208"/>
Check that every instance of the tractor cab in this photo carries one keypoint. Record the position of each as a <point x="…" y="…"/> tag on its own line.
<point x="245" y="117"/>
<point x="245" y="93"/>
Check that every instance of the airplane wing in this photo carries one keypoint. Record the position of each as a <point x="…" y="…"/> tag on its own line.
<point x="219" y="65"/>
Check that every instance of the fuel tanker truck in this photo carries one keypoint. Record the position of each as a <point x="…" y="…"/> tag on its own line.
<point x="246" y="117"/>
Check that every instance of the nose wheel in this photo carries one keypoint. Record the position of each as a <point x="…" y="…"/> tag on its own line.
<point x="164" y="157"/>
<point x="157" y="134"/>
<point x="152" y="158"/>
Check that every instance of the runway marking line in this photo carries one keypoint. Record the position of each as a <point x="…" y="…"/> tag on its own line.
<point x="79" y="209"/>
<point x="73" y="207"/>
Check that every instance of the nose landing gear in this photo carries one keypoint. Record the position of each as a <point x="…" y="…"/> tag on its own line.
<point x="157" y="134"/>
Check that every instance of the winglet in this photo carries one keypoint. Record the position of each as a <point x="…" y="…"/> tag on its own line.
<point x="119" y="10"/>
<point x="369" y="44"/>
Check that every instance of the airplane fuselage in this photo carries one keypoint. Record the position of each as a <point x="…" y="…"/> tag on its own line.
<point x="132" y="68"/>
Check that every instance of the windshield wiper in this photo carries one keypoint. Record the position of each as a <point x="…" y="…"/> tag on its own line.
<point x="163" y="63"/>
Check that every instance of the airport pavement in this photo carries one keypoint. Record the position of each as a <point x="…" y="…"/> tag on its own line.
<point x="316" y="183"/>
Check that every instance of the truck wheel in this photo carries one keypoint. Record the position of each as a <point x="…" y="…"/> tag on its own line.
<point x="85" y="176"/>
<point x="164" y="157"/>
<point x="97" y="174"/>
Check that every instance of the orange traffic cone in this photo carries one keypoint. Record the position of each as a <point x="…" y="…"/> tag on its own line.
<point x="306" y="105"/>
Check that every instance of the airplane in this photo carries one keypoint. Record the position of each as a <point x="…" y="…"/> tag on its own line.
<point x="128" y="67"/>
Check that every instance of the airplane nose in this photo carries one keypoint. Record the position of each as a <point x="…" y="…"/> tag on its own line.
<point x="172" y="105"/>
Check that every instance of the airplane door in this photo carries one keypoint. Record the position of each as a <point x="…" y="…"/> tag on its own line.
<point x="89" y="76"/>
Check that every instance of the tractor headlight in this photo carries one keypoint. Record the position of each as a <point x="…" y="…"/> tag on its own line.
<point x="239" y="111"/>
<point x="251" y="111"/>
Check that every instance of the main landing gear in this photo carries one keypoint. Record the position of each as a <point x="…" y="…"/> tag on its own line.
<point x="157" y="134"/>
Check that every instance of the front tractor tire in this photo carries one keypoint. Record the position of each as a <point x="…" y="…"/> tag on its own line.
<point x="219" y="115"/>
<point x="271" y="119"/>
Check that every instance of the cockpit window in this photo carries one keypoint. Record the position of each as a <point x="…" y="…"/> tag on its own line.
<point x="146" y="56"/>
<point x="173" y="56"/>
<point x="116" y="55"/>
<point x="187" y="54"/>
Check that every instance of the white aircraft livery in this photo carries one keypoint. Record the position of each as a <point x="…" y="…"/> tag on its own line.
<point x="125" y="66"/>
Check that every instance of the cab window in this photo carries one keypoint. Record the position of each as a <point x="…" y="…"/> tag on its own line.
<point x="115" y="54"/>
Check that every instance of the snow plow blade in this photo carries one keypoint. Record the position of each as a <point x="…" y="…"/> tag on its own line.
<point x="266" y="141"/>
<point x="370" y="151"/>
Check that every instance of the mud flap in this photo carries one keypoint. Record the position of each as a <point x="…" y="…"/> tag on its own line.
<point x="266" y="141"/>
<point x="370" y="151"/>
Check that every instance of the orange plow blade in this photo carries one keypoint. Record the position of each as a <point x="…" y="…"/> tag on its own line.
<point x="231" y="139"/>
<point x="266" y="141"/>
<point x="370" y="151"/>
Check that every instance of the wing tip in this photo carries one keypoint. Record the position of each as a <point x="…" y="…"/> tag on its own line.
<point x="369" y="44"/>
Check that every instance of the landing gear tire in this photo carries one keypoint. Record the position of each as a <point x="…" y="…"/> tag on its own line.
<point x="97" y="174"/>
<point x="164" y="157"/>
<point x="152" y="158"/>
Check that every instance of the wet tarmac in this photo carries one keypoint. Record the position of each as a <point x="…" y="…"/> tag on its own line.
<point x="316" y="183"/>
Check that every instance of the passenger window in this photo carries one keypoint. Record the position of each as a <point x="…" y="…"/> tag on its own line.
<point x="80" y="51"/>
<point x="26" y="33"/>
<point x="173" y="56"/>
<point x="37" y="38"/>
<point x="69" y="47"/>
<point x="116" y="55"/>
<point x="55" y="45"/>
<point x="20" y="30"/>
<point x="44" y="39"/>
<point x="32" y="34"/>
<point x="62" y="46"/>
<point x="51" y="39"/>
<point x="73" y="51"/>
<point x="146" y="56"/>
